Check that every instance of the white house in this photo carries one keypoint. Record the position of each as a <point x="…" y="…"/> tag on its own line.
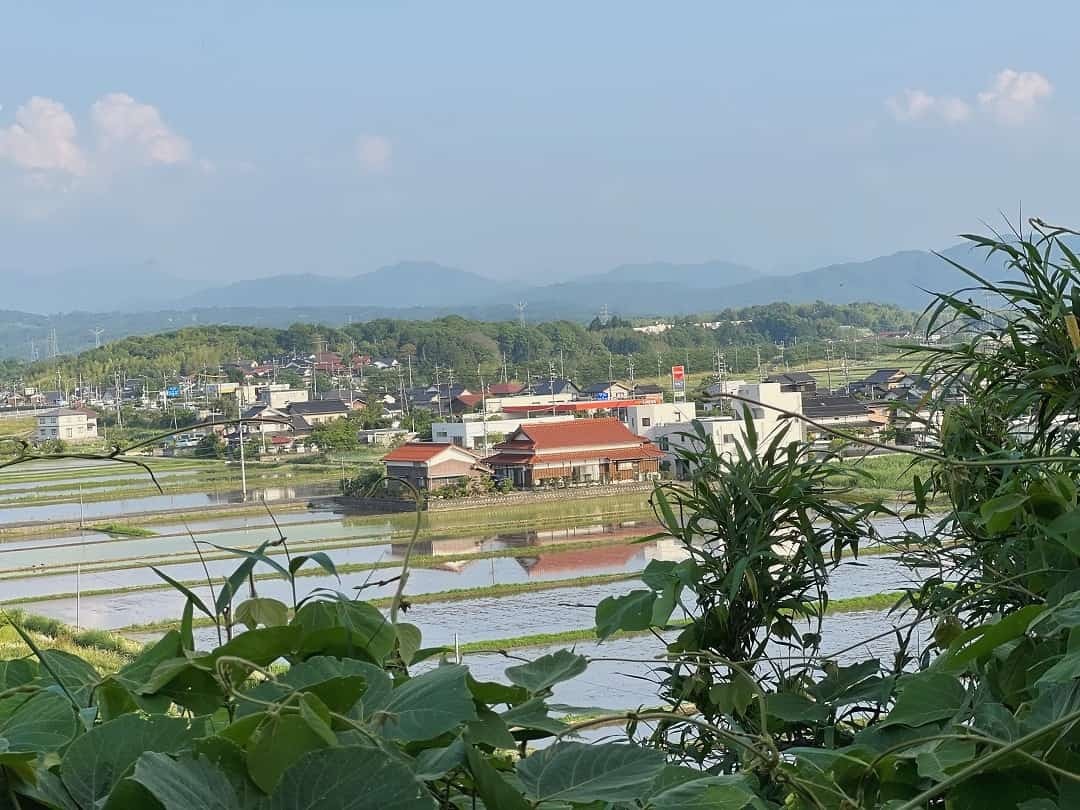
<point x="729" y="431"/>
<point x="66" y="425"/>
<point x="647" y="421"/>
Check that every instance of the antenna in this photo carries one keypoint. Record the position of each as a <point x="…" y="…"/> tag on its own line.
<point x="520" y="307"/>
<point x="604" y="317"/>
<point x="97" y="333"/>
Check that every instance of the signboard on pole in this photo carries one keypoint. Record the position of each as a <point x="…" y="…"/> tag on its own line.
<point x="172" y="391"/>
<point x="678" y="382"/>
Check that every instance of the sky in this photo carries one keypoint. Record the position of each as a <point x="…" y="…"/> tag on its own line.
<point x="524" y="141"/>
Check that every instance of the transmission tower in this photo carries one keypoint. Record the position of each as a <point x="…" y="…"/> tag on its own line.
<point x="604" y="317"/>
<point x="54" y="348"/>
<point x="520" y="307"/>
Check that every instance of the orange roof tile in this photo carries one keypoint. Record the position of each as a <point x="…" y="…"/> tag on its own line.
<point x="419" y="451"/>
<point x="579" y="432"/>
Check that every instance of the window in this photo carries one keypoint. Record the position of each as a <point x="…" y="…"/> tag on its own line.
<point x="645" y="421"/>
<point x="663" y="443"/>
<point x="729" y="438"/>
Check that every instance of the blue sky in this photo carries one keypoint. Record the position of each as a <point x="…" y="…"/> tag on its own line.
<point x="541" y="141"/>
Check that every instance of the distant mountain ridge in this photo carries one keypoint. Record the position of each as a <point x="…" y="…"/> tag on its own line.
<point x="641" y="289"/>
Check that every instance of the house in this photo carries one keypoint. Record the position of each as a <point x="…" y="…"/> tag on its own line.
<point x="505" y="389"/>
<point x="554" y="388"/>
<point x="351" y="398"/>
<point x="430" y="465"/>
<point x="728" y="432"/>
<point x="580" y="451"/>
<point x="55" y="399"/>
<point x="67" y="424"/>
<point x="646" y="420"/>
<point x="606" y="390"/>
<point x="319" y="411"/>
<point x="836" y="410"/>
<point x="385" y="362"/>
<point x="280" y="395"/>
<point x="465" y="401"/>
<point x="384" y="436"/>
<point x="327" y="362"/>
<point x="794" y="381"/>
<point x="884" y="379"/>
<point x="646" y="390"/>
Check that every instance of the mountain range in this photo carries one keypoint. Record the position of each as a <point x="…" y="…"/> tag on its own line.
<point x="644" y="289"/>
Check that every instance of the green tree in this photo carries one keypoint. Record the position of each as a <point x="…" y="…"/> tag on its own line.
<point x="210" y="446"/>
<point x="338" y="434"/>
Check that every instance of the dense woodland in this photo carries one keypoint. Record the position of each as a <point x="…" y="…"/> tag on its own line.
<point x="744" y="337"/>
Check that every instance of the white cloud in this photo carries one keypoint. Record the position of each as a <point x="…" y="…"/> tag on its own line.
<point x="136" y="130"/>
<point x="374" y="153"/>
<point x="43" y="139"/>
<point x="1011" y="99"/>
<point x="1014" y="95"/>
<point x="918" y="105"/>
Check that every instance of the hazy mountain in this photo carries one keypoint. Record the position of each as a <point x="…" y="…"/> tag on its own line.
<point x="703" y="276"/>
<point x="406" y="284"/>
<point x="900" y="278"/>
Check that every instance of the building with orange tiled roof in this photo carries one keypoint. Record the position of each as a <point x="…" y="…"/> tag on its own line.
<point x="430" y="465"/>
<point x="578" y="451"/>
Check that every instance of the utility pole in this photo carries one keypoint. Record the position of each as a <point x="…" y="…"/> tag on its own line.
<point x="408" y="359"/>
<point x="760" y="376"/>
<point x="659" y="376"/>
<point x="630" y="367"/>
<point x="551" y="382"/>
<point x="438" y="389"/>
<point x="562" y="368"/>
<point x="449" y="393"/>
<point x="243" y="461"/>
<point x="504" y="379"/>
<point x="828" y="363"/>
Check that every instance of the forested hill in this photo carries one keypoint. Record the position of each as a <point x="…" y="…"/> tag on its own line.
<point x="454" y="342"/>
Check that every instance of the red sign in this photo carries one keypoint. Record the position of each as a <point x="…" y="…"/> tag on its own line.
<point x="678" y="379"/>
<point x="678" y="372"/>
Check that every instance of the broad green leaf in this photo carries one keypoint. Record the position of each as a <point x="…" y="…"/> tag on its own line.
<point x="277" y="744"/>
<point x="185" y="783"/>
<point x="984" y="639"/>
<point x="428" y="705"/>
<point x="40" y="722"/>
<point x="938" y="758"/>
<point x="76" y="675"/>
<point x="236" y="581"/>
<point x="1065" y="670"/>
<point x="409" y="639"/>
<point x="543" y="673"/>
<point x="344" y="629"/>
<point x="261" y="610"/>
<point x="137" y="674"/>
<point x="17" y="672"/>
<point x="534" y="714"/>
<point x="634" y="611"/>
<point x="490" y="729"/>
<point x="262" y="646"/>
<point x="350" y="778"/>
<point x="97" y="760"/>
<point x="926" y="698"/>
<point x="336" y="682"/>
<point x="1065" y="615"/>
<point x="839" y="679"/>
<point x="491" y="693"/>
<point x="710" y="793"/>
<point x="578" y="772"/>
<point x="434" y="763"/>
<point x="792" y="708"/>
<point x="495" y="791"/>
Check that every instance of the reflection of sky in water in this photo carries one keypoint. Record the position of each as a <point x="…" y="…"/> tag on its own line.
<point x="493" y="617"/>
<point x="627" y="684"/>
<point x="156" y="503"/>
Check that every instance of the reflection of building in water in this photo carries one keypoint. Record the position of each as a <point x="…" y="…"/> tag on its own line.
<point x="451" y="546"/>
<point x="669" y="549"/>
<point x="569" y="562"/>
